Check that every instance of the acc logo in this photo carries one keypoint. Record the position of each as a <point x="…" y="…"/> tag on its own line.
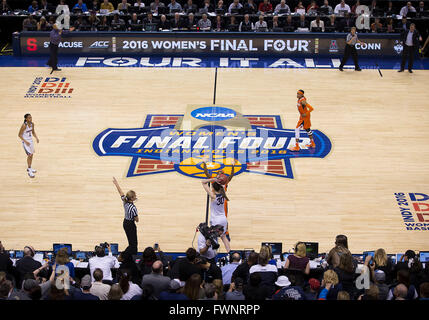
<point x="100" y="45"/>
<point x="220" y="136"/>
<point x="213" y="113"/>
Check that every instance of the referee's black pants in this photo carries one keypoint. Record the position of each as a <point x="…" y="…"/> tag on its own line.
<point x="350" y="51"/>
<point x="53" y="56"/>
<point x="131" y="232"/>
<point x="408" y="51"/>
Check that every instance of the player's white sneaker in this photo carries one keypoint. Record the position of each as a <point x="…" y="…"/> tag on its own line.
<point x="32" y="170"/>
<point x="30" y="173"/>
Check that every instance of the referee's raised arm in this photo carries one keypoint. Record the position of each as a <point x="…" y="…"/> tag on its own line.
<point x="121" y="193"/>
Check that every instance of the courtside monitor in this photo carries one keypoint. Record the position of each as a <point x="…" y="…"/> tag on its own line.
<point x="58" y="246"/>
<point x="276" y="247"/>
<point x="398" y="257"/>
<point x="367" y="253"/>
<point x="113" y="248"/>
<point x="80" y="255"/>
<point x="312" y="249"/>
<point x="424" y="256"/>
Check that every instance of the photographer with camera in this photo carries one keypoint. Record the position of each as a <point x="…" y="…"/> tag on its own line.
<point x="207" y="240"/>
<point x="103" y="262"/>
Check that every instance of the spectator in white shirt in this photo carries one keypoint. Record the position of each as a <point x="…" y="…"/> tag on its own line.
<point x="228" y="269"/>
<point x="103" y="262"/>
<point x="341" y="7"/>
<point x="128" y="288"/>
<point x="280" y="6"/>
<point x="317" y="24"/>
<point x="235" y="5"/>
<point x="139" y="3"/>
<point x="405" y="9"/>
<point x="261" y="25"/>
<point x="98" y="288"/>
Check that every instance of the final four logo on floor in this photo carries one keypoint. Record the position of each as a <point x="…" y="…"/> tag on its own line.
<point x="49" y="87"/>
<point x="414" y="209"/>
<point x="221" y="136"/>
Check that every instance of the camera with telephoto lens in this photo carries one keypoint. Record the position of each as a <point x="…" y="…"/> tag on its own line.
<point x="210" y="233"/>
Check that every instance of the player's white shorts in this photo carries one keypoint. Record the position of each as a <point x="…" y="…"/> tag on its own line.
<point x="220" y="220"/>
<point x="29" y="149"/>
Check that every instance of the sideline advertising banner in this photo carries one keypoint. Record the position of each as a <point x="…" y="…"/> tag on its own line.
<point x="206" y="43"/>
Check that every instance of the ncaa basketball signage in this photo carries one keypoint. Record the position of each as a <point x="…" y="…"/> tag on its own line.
<point x="414" y="210"/>
<point x="49" y="87"/>
<point x="213" y="113"/>
<point x="221" y="136"/>
<point x="213" y="43"/>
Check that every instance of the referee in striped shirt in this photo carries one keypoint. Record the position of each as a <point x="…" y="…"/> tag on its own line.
<point x="131" y="217"/>
<point x="350" y="49"/>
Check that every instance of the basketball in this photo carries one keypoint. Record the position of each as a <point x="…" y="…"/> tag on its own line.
<point x="222" y="179"/>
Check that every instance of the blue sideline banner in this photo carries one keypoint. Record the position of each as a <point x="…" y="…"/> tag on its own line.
<point x="205" y="43"/>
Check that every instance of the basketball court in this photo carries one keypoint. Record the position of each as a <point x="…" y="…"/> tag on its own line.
<point x="378" y="128"/>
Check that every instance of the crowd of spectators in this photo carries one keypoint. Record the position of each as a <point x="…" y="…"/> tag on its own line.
<point x="193" y="277"/>
<point x="231" y="15"/>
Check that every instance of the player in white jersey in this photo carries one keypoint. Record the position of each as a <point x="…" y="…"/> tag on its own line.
<point x="26" y="134"/>
<point x="217" y="209"/>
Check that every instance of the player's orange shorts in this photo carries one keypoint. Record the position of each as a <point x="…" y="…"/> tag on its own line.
<point x="305" y="122"/>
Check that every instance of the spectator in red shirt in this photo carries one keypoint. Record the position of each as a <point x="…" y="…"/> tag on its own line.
<point x="265" y="7"/>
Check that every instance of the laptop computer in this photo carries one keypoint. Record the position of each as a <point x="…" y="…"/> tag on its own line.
<point x="424" y="256"/>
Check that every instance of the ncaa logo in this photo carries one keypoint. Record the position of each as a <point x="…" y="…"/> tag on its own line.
<point x="213" y="114"/>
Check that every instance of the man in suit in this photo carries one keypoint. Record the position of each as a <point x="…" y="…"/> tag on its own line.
<point x="410" y="42"/>
<point x="403" y="24"/>
<point x="163" y="24"/>
<point x="176" y="23"/>
<point x="156" y="279"/>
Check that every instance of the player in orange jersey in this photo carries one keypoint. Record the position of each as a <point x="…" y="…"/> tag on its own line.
<point x="304" y="110"/>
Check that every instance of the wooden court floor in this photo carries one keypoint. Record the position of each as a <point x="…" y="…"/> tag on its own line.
<point x="379" y="128"/>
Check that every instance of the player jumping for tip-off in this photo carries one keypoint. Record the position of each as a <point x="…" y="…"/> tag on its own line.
<point x="304" y="110"/>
